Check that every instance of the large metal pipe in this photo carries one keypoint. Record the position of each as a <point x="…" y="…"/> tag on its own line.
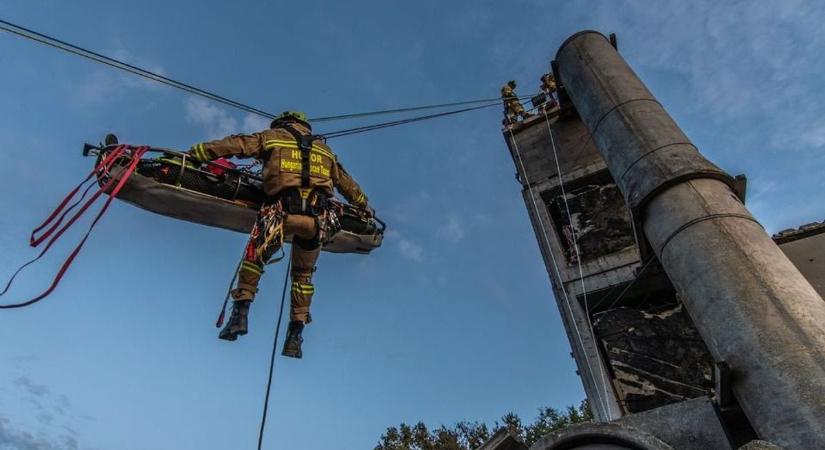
<point x="751" y="305"/>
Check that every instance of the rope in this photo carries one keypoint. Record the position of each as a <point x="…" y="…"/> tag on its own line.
<point x="408" y="109"/>
<point x="633" y="224"/>
<point x="569" y="216"/>
<point x="272" y="357"/>
<point x="573" y="233"/>
<point x="222" y="315"/>
<point x="626" y="288"/>
<point x="153" y="76"/>
<point x="135" y="70"/>
<point x="601" y="401"/>
<point x="112" y="187"/>
<point x="363" y="129"/>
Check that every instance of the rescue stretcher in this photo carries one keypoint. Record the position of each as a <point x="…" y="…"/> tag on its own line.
<point x="218" y="194"/>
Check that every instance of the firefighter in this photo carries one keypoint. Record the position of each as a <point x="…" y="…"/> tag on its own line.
<point x="548" y="86"/>
<point x="512" y="107"/>
<point x="299" y="174"/>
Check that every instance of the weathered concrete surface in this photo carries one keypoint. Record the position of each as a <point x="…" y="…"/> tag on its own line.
<point x="688" y="425"/>
<point x="600" y="220"/>
<point x="750" y="303"/>
<point x="601" y="436"/>
<point x="760" y="445"/>
<point x="656" y="356"/>
<point x="805" y="247"/>
<point x="752" y="307"/>
<point x="643" y="160"/>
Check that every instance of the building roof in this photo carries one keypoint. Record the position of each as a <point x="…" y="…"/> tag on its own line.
<point x="793" y="234"/>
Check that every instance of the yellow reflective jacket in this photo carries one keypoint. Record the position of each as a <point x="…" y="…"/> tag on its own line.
<point x="282" y="165"/>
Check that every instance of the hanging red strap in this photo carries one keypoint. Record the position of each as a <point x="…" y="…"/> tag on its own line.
<point x="118" y="181"/>
<point x="103" y="167"/>
<point x="112" y="180"/>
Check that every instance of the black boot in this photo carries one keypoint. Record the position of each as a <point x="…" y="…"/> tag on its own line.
<point x="292" y="345"/>
<point x="237" y="324"/>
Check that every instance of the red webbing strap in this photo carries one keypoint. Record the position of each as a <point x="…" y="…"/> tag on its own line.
<point x="66" y="227"/>
<point x="136" y="154"/>
<point x="104" y="166"/>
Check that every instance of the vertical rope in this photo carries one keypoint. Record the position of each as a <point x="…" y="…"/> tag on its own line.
<point x="274" y="351"/>
<point x="601" y="401"/>
<point x="569" y="217"/>
<point x="575" y="238"/>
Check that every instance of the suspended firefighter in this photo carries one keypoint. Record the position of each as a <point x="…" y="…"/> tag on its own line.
<point x="512" y="106"/>
<point x="299" y="174"/>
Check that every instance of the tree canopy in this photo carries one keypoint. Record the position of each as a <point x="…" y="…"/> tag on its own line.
<point x="466" y="435"/>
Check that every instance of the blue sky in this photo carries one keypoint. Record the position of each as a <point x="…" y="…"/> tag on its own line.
<point x="453" y="318"/>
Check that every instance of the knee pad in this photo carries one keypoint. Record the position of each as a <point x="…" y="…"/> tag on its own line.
<point x="308" y="244"/>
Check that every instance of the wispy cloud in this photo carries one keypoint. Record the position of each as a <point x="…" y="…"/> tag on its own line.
<point x="49" y="425"/>
<point x="252" y="123"/>
<point x="23" y="359"/>
<point x="411" y="250"/>
<point x="32" y="388"/>
<point x="104" y="82"/>
<point x="411" y="209"/>
<point x="406" y="247"/>
<point x="737" y="62"/>
<point x="12" y="437"/>
<point x="453" y="229"/>
<point x="217" y="122"/>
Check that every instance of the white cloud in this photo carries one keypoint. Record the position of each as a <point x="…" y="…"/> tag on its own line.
<point x="410" y="250"/>
<point x="407" y="247"/>
<point x="215" y="121"/>
<point x="453" y="229"/>
<point x="411" y="209"/>
<point x="252" y="123"/>
<point x="808" y="133"/>
<point x="105" y="82"/>
<point x="737" y="61"/>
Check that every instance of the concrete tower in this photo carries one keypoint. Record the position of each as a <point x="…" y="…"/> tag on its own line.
<point x="629" y="268"/>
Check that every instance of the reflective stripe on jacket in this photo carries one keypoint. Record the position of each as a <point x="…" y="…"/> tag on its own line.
<point x="283" y="165"/>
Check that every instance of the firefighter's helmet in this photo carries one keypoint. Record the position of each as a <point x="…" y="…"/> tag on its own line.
<point x="290" y="116"/>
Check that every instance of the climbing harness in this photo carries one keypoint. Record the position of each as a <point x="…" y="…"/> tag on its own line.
<point x="112" y="169"/>
<point x="305" y="146"/>
<point x="329" y="222"/>
<point x="268" y="233"/>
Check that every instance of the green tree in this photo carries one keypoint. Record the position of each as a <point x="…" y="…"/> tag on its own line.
<point x="467" y="435"/>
